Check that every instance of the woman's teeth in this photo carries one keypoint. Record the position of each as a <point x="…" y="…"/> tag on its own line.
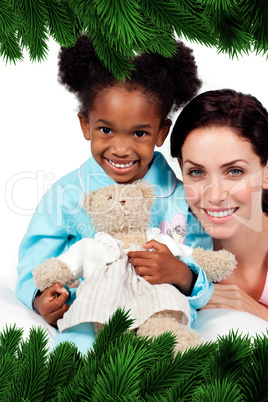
<point x="221" y="214"/>
<point x="121" y="165"/>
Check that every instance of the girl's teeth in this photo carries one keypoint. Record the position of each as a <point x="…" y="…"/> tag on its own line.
<point x="121" y="165"/>
<point x="221" y="214"/>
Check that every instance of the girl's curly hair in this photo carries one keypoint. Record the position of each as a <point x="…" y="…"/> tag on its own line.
<point x="170" y="82"/>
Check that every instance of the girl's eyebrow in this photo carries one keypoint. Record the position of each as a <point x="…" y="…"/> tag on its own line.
<point x="137" y="127"/>
<point x="222" y="166"/>
<point x="106" y="122"/>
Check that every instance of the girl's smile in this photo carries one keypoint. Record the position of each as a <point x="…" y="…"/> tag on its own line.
<point x="124" y="129"/>
<point x="224" y="191"/>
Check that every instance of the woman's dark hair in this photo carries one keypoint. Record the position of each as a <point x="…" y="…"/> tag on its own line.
<point x="244" y="114"/>
<point x="171" y="83"/>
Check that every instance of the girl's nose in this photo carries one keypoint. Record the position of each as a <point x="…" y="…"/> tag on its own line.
<point x="120" y="146"/>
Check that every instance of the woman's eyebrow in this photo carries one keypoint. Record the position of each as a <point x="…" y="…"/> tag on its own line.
<point x="222" y="166"/>
<point x="234" y="162"/>
<point x="193" y="163"/>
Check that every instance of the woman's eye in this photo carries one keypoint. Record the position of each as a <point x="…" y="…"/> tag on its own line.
<point x="106" y="130"/>
<point x="140" y="134"/>
<point x="235" y="172"/>
<point x="195" y="173"/>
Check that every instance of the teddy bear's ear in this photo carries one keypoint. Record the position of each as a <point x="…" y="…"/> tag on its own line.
<point x="87" y="201"/>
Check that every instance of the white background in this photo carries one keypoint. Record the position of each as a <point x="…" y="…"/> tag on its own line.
<point x="42" y="140"/>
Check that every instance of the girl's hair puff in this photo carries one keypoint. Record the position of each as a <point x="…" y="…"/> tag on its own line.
<point x="169" y="82"/>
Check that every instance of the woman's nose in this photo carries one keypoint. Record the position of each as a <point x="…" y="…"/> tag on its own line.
<point x="216" y="192"/>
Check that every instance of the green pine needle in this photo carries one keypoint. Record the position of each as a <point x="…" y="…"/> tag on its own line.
<point x="122" y="28"/>
<point x="232" y="356"/>
<point x="125" y="367"/>
<point x="218" y="391"/>
<point x="255" y="379"/>
<point x="33" y="373"/>
<point x="60" y="23"/>
<point x="63" y="363"/>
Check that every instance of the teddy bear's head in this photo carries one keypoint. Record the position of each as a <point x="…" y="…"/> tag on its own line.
<point x="120" y="208"/>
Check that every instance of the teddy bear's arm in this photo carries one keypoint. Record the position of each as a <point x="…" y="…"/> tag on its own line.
<point x="217" y="265"/>
<point x="80" y="260"/>
<point x="65" y="269"/>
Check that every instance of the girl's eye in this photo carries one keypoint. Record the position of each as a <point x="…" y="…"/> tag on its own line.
<point x="140" y="134"/>
<point x="195" y="173"/>
<point x="106" y="130"/>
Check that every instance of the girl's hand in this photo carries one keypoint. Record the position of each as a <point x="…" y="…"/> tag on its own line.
<point x="160" y="266"/>
<point x="232" y="297"/>
<point x="51" y="303"/>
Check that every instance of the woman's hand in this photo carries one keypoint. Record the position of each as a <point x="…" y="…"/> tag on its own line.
<point x="51" y="303"/>
<point x="232" y="297"/>
<point x="160" y="266"/>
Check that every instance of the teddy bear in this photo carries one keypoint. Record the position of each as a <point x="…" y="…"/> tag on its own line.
<point x="120" y="214"/>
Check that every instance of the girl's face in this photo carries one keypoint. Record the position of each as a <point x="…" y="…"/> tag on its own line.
<point x="124" y="128"/>
<point x="223" y="180"/>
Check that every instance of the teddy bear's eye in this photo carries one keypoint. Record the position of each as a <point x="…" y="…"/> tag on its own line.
<point x="110" y="198"/>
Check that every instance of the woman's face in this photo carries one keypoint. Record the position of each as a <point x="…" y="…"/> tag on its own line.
<point x="223" y="180"/>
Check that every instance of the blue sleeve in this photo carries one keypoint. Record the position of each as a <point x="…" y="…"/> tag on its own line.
<point x="46" y="237"/>
<point x="203" y="289"/>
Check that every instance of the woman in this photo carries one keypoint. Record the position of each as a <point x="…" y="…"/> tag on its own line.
<point x="221" y="142"/>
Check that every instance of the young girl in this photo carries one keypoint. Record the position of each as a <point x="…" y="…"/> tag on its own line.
<point x="221" y="141"/>
<point x="124" y="121"/>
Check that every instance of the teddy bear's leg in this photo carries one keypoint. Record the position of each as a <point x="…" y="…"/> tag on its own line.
<point x="164" y="322"/>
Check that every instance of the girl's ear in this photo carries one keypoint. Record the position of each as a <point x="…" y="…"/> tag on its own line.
<point x="265" y="177"/>
<point x="163" y="132"/>
<point x="84" y="123"/>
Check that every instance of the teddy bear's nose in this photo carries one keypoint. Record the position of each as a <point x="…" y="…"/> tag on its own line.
<point x="122" y="202"/>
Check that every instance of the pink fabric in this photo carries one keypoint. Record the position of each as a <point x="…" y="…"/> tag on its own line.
<point x="264" y="297"/>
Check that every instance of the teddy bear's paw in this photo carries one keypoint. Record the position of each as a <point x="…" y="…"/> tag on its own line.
<point x="97" y="327"/>
<point x="50" y="272"/>
<point x="216" y="264"/>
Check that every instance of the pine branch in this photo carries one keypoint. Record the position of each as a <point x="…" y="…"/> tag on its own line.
<point x="116" y="326"/>
<point x="63" y="364"/>
<point x="32" y="27"/>
<point x="60" y="24"/>
<point x="121" y="28"/>
<point x="31" y="376"/>
<point x="125" y="367"/>
<point x="228" y="25"/>
<point x="256" y="15"/>
<point x="181" y="17"/>
<point x="7" y="18"/>
<point x="231" y="357"/>
<point x="10" y="48"/>
<point x="9" y="343"/>
<point x="166" y="373"/>
<point x="218" y="391"/>
<point x="255" y="384"/>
